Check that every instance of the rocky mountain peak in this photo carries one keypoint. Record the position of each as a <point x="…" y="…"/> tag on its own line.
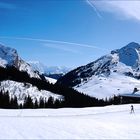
<point x="10" y="57"/>
<point x="130" y="54"/>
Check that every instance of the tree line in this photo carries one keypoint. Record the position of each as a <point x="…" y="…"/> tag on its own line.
<point x="8" y="102"/>
<point x="72" y="98"/>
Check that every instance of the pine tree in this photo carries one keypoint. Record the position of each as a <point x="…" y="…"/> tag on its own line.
<point x="14" y="103"/>
<point x="41" y="103"/>
<point x="36" y="104"/>
<point x="28" y="103"/>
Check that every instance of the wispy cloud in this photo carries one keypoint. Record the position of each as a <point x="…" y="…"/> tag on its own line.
<point x="4" y="5"/>
<point x="94" y="8"/>
<point x="61" y="47"/>
<point x="126" y="9"/>
<point x="45" y="42"/>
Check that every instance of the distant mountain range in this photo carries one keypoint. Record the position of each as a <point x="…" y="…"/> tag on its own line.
<point x="117" y="73"/>
<point x="54" y="72"/>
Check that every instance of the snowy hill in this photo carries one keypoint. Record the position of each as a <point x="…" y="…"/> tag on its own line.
<point x="112" y="74"/>
<point x="22" y="90"/>
<point x="111" y="122"/>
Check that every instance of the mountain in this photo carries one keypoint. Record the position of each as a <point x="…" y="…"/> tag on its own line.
<point x="54" y="72"/>
<point x="13" y="71"/>
<point x="23" y="87"/>
<point x="9" y="57"/>
<point x="112" y="74"/>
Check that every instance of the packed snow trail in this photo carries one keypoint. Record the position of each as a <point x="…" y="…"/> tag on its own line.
<point x="69" y="123"/>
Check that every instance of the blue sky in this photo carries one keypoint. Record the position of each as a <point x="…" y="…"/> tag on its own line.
<point x="68" y="32"/>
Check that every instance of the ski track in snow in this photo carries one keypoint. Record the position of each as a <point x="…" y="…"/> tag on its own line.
<point x="71" y="123"/>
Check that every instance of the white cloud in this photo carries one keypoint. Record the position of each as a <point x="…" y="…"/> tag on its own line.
<point x="128" y="9"/>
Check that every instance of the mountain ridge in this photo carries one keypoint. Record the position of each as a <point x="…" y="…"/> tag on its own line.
<point x="118" y="65"/>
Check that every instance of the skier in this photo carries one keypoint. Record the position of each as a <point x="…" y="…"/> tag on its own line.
<point x="132" y="109"/>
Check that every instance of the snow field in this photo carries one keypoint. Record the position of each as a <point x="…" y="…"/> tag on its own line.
<point x="111" y="122"/>
<point x="115" y="84"/>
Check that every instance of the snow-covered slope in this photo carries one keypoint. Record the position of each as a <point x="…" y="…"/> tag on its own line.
<point x="22" y="90"/>
<point x="114" y="84"/>
<point x="9" y="57"/>
<point x="51" y="80"/>
<point x="115" y="73"/>
<point x="111" y="122"/>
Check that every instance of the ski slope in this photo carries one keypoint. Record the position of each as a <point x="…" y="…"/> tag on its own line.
<point x="82" y="123"/>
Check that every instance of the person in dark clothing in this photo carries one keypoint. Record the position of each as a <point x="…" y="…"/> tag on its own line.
<point x="132" y="109"/>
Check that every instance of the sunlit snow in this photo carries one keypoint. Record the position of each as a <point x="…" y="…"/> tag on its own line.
<point x="22" y="90"/>
<point x="111" y="122"/>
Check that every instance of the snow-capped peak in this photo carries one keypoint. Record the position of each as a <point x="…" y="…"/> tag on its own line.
<point x="9" y="57"/>
<point x="133" y="45"/>
<point x="130" y="54"/>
